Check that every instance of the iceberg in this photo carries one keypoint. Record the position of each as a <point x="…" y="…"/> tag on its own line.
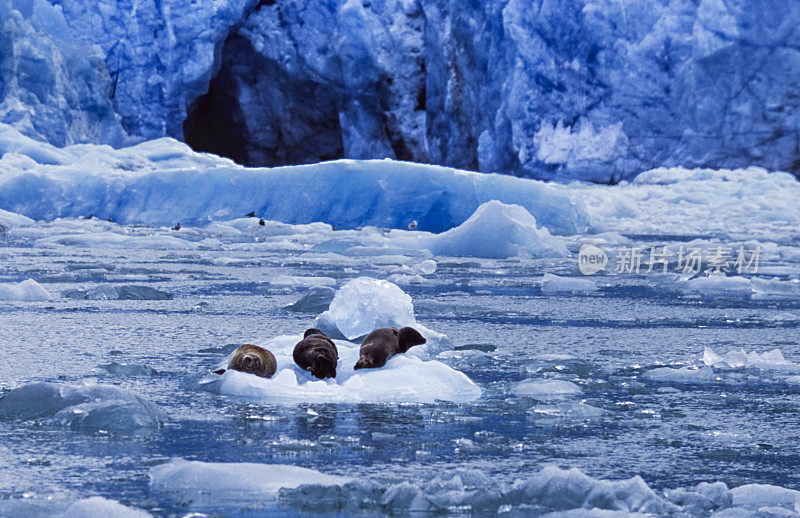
<point x="365" y="304"/>
<point x="126" y="292"/>
<point x="25" y="291"/>
<point x="404" y="379"/>
<point x="316" y="300"/>
<point x="147" y="183"/>
<point x="496" y="230"/>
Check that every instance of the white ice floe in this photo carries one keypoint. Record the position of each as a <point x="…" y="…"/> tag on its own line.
<point x="90" y="407"/>
<point x="683" y="375"/>
<point x="546" y="389"/>
<point x="232" y="479"/>
<point x="554" y="284"/>
<point x="99" y="507"/>
<point x="404" y="379"/>
<point x="717" y="285"/>
<point x="25" y="291"/>
<point x="739" y="358"/>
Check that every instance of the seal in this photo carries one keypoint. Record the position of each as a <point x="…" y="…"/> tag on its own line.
<point x="383" y="343"/>
<point x="316" y="353"/>
<point x="252" y="359"/>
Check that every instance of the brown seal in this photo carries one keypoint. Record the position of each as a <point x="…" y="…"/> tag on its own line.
<point x="316" y="353"/>
<point x="383" y="343"/>
<point x="252" y="359"/>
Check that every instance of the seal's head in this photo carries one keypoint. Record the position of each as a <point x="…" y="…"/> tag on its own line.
<point x="254" y="360"/>
<point x="383" y="343"/>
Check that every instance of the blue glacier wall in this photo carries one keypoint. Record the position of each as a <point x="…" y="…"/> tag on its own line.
<point x="563" y="89"/>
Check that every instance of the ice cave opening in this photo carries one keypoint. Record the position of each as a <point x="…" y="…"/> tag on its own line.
<point x="258" y="114"/>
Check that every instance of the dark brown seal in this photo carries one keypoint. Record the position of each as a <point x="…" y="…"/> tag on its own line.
<point x="383" y="343"/>
<point x="316" y="353"/>
<point x="252" y="359"/>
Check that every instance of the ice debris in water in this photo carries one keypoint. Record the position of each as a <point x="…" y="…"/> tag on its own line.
<point x="99" y="507"/>
<point x="546" y="389"/>
<point x="25" y="291"/>
<point x="683" y="375"/>
<point x="126" y="369"/>
<point x="404" y="379"/>
<point x="127" y="292"/>
<point x="90" y="407"/>
<point x="555" y="284"/>
<point x="718" y="285"/>
<point x="739" y="358"/>
<point x="316" y="300"/>
<point x="230" y="479"/>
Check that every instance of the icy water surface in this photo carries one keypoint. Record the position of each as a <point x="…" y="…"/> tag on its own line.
<point x="675" y="428"/>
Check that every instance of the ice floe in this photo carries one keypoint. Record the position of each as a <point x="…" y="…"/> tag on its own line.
<point x="554" y="284"/>
<point x="234" y="479"/>
<point x="546" y="389"/>
<point x="89" y="407"/>
<point x="739" y="358"/>
<point x="25" y="291"/>
<point x="109" y="292"/>
<point x="316" y="300"/>
<point x="404" y="379"/>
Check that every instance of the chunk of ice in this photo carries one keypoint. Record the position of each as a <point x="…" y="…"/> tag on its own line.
<point x="546" y="388"/>
<point x="554" y="284"/>
<point x="316" y="300"/>
<point x="25" y="291"/>
<point x="234" y="478"/>
<point x="99" y="507"/>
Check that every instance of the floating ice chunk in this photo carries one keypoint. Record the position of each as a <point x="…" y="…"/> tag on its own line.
<point x="702" y="498"/>
<point x="365" y="304"/>
<point x="568" y="411"/>
<point x="560" y="490"/>
<point x="25" y="291"/>
<point x="114" y="240"/>
<point x="229" y="479"/>
<point x="496" y="230"/>
<point x="111" y="416"/>
<point x="739" y="358"/>
<point x="316" y="300"/>
<point x="683" y="375"/>
<point x="718" y="285"/>
<point x="775" y="289"/>
<point x="546" y="389"/>
<point x="404" y="379"/>
<point x="99" y="507"/>
<point x="108" y="292"/>
<point x="761" y="495"/>
<point x="552" y="284"/>
<point x="85" y="407"/>
<point x="297" y="280"/>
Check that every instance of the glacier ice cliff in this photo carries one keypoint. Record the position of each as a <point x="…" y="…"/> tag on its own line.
<point x="52" y="87"/>
<point x="588" y="89"/>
